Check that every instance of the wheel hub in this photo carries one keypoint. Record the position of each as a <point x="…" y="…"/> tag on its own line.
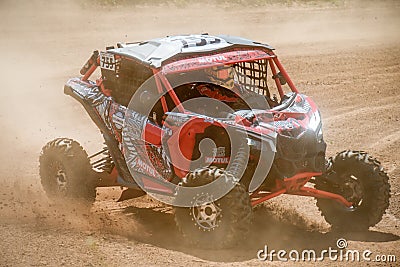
<point x="206" y="213"/>
<point x="353" y="191"/>
<point x="61" y="179"/>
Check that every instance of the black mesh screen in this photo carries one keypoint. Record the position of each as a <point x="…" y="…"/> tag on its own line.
<point x="126" y="80"/>
<point x="253" y="76"/>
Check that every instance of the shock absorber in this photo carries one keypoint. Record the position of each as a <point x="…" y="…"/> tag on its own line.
<point x="239" y="163"/>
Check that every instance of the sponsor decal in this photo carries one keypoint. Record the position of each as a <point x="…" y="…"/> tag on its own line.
<point x="217" y="160"/>
<point x="107" y="61"/>
<point x="146" y="168"/>
<point x="210" y="59"/>
<point x="218" y="156"/>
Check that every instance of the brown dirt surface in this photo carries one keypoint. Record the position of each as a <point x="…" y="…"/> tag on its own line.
<point x="344" y="54"/>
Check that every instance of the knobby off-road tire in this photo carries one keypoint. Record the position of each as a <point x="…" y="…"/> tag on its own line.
<point x="234" y="209"/>
<point x="360" y="179"/>
<point x="65" y="171"/>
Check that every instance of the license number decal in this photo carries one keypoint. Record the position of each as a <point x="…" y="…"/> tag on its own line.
<point x="107" y="61"/>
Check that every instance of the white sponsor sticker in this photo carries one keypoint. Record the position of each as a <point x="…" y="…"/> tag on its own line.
<point x="107" y="61"/>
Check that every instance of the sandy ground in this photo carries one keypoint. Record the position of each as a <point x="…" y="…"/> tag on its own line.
<point x="346" y="57"/>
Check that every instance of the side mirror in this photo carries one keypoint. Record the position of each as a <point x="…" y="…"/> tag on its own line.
<point x="281" y="78"/>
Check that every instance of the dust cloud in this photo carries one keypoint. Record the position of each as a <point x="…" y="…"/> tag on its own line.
<point x="44" y="43"/>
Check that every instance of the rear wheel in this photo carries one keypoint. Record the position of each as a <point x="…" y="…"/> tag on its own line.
<point x="360" y="179"/>
<point x="65" y="171"/>
<point x="217" y="224"/>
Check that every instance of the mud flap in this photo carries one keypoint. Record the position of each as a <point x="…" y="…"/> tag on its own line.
<point x="130" y="193"/>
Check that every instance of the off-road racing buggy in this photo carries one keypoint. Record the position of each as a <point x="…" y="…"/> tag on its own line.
<point x="214" y="126"/>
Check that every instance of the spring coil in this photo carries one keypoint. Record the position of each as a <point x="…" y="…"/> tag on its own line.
<point x="239" y="163"/>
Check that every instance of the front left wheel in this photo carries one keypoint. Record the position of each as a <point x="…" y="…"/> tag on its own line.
<point x="65" y="171"/>
<point x="217" y="224"/>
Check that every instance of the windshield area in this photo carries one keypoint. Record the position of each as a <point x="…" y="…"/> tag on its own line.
<point x="218" y="85"/>
<point x="241" y="85"/>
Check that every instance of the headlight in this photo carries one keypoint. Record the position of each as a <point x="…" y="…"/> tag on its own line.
<point x="320" y="135"/>
<point x="315" y="124"/>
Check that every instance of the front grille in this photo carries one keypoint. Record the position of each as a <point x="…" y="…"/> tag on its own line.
<point x="301" y="154"/>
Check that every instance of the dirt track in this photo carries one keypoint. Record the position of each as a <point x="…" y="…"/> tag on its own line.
<point x="345" y="57"/>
